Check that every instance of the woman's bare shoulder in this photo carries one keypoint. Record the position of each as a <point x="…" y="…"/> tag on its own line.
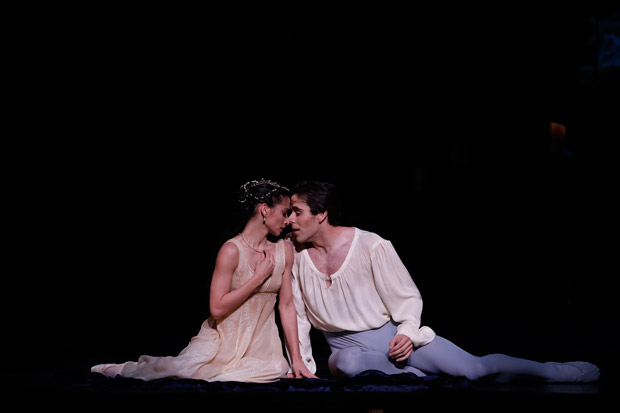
<point x="228" y="250"/>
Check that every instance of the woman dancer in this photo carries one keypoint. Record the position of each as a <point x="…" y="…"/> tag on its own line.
<point x="240" y="340"/>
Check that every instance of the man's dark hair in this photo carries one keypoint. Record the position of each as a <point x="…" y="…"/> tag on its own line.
<point x="320" y="197"/>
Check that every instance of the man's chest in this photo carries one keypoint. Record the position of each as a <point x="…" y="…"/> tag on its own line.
<point x="329" y="264"/>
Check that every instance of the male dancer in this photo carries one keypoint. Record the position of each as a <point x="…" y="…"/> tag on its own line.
<point x="351" y="285"/>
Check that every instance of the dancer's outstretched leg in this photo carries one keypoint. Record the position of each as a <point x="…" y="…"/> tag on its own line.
<point x="355" y="352"/>
<point x="443" y="356"/>
<point x="350" y="361"/>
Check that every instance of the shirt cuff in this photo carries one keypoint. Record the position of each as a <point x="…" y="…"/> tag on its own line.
<point x="419" y="336"/>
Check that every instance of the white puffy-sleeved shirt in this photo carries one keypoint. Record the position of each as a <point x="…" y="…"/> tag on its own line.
<point x="371" y="286"/>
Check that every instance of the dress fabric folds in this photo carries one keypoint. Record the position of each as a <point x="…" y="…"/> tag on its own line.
<point x="242" y="346"/>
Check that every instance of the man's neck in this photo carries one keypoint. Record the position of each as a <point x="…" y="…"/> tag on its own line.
<point x="328" y="238"/>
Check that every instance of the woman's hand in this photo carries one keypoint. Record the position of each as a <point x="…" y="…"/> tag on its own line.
<point x="264" y="266"/>
<point x="401" y="347"/>
<point x="300" y="371"/>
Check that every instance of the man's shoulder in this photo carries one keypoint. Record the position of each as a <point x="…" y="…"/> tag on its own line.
<point x="369" y="239"/>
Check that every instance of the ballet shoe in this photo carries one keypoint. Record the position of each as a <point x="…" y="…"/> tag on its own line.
<point x="109" y="370"/>
<point x="574" y="372"/>
<point x="589" y="372"/>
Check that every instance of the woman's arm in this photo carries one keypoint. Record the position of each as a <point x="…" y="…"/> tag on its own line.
<point x="221" y="299"/>
<point x="288" y="317"/>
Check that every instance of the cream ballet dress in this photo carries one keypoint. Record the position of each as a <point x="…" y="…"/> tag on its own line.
<point x="242" y="346"/>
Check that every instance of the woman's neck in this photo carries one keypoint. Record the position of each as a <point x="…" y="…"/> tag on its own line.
<point x="255" y="234"/>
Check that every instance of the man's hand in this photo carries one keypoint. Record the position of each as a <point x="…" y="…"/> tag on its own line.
<point x="401" y="347"/>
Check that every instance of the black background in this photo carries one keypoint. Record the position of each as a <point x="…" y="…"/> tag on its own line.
<point x="136" y="132"/>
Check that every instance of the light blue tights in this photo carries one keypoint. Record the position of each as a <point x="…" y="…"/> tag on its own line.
<point x="354" y="352"/>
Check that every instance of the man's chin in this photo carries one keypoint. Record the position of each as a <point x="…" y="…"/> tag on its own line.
<point x="297" y="238"/>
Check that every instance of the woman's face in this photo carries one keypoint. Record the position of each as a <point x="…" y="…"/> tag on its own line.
<point x="277" y="219"/>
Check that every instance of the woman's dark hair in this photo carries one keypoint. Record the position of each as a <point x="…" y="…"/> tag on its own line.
<point x="256" y="192"/>
<point x="320" y="197"/>
<point x="252" y="194"/>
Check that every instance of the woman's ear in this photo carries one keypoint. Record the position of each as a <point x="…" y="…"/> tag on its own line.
<point x="264" y="209"/>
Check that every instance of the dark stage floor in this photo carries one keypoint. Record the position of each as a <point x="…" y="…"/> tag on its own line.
<point x="49" y="367"/>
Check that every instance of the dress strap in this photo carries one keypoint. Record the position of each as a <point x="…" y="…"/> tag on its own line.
<point x="280" y="251"/>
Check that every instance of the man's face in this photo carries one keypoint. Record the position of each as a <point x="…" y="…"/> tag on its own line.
<point x="303" y="223"/>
